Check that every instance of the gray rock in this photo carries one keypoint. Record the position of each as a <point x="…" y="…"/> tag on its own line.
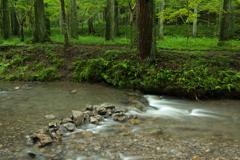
<point x="70" y="126"/>
<point x="78" y="117"/>
<point x="50" y="116"/>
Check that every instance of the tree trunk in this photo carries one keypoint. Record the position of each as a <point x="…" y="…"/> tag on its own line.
<point x="61" y="26"/>
<point x="131" y="24"/>
<point x="225" y="22"/>
<point x="110" y="15"/>
<point x="117" y="14"/>
<point x="146" y="29"/>
<point x="48" y="21"/>
<point x="195" y="20"/>
<point x="14" y="22"/>
<point x="40" y="32"/>
<point x="73" y="20"/>
<point x="6" y="20"/>
<point x="66" y="39"/>
<point x="90" y="26"/>
<point x="161" y="19"/>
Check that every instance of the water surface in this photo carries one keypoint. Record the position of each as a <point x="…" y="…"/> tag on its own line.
<point x="23" y="107"/>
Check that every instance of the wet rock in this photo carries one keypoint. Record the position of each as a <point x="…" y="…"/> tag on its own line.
<point x="122" y="119"/>
<point x="101" y="111"/>
<point x="121" y="110"/>
<point x="78" y="117"/>
<point x="62" y="130"/>
<point x="42" y="139"/>
<point x="54" y="123"/>
<point x="69" y="126"/>
<point x="87" y="134"/>
<point x="89" y="108"/>
<point x="57" y="137"/>
<point x="95" y="119"/>
<point x="34" y="152"/>
<point x="135" y="121"/>
<point x="66" y="120"/>
<point x="43" y="130"/>
<point x="74" y="91"/>
<point x="50" y="116"/>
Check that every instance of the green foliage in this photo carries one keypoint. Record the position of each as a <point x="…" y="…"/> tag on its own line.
<point x="89" y="70"/>
<point x="47" y="74"/>
<point x="54" y="59"/>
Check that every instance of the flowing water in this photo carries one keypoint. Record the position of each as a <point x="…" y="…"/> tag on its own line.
<point x="23" y="108"/>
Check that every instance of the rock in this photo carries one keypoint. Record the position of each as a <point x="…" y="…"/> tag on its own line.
<point x="57" y="137"/>
<point x="66" y="120"/>
<point x="44" y="130"/>
<point x="87" y="134"/>
<point x="101" y="111"/>
<point x="62" y="130"/>
<point x="50" y="116"/>
<point x="34" y="152"/>
<point x="78" y="117"/>
<point x="73" y="91"/>
<point x="42" y="139"/>
<point x="69" y="126"/>
<point x="124" y="110"/>
<point x="89" y="108"/>
<point x="109" y="106"/>
<point x="135" y="121"/>
<point x="93" y="120"/>
<point x="54" y="124"/>
<point x="122" y="119"/>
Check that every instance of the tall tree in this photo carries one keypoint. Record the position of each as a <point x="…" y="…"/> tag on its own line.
<point x="131" y="9"/>
<point x="73" y="19"/>
<point x="21" y="18"/>
<point x="161" y="19"/>
<point x="225" y="22"/>
<point x="66" y="39"/>
<point x="195" y="14"/>
<point x="40" y="32"/>
<point x="6" y="20"/>
<point x="146" y="29"/>
<point x="110" y="17"/>
<point x="14" y="22"/>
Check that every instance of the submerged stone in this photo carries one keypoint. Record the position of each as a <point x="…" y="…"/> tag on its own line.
<point x="42" y="139"/>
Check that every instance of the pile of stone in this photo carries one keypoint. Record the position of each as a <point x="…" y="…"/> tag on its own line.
<point x="92" y="114"/>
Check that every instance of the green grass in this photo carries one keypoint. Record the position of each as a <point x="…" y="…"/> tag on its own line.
<point x="180" y="43"/>
<point x="90" y="40"/>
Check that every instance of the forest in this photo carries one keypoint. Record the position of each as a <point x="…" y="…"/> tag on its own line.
<point x="186" y="48"/>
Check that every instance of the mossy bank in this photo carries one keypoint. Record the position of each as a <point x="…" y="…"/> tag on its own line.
<point x="192" y="74"/>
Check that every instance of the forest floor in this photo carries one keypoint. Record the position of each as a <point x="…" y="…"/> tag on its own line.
<point x="30" y="63"/>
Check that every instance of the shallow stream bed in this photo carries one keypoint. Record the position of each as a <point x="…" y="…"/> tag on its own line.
<point x="169" y="128"/>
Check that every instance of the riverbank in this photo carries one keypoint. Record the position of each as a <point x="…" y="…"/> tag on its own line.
<point x="211" y="134"/>
<point x="184" y="73"/>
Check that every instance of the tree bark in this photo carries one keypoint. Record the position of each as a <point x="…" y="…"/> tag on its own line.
<point x="40" y="32"/>
<point x="90" y="26"/>
<point x="6" y="20"/>
<point x="146" y="30"/>
<point x="110" y="17"/>
<point x="131" y="8"/>
<point x="161" y="19"/>
<point x="73" y="20"/>
<point x="66" y="39"/>
<point x="195" y="12"/>
<point x="14" y="23"/>
<point x="225" y="22"/>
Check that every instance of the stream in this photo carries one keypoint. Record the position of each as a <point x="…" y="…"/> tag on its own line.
<point x="167" y="120"/>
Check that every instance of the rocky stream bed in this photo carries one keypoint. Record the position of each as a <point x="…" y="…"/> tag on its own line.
<point x="107" y="131"/>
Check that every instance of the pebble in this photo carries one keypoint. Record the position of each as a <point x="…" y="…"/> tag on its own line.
<point x="50" y="116"/>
